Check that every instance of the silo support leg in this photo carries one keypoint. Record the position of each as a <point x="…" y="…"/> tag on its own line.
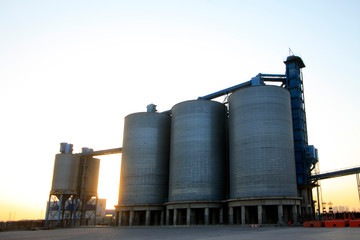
<point x="162" y="217"/>
<point x="221" y="216"/>
<point x="260" y="212"/>
<point x="59" y="211"/>
<point x="206" y="216"/>
<point x="74" y="214"/>
<point x="280" y="214"/>
<point x="120" y="217"/>
<point x="231" y="215"/>
<point x="131" y="218"/>
<point x="188" y="216"/>
<point x="48" y="211"/>
<point x="175" y="217"/>
<point x="295" y="214"/>
<point x="243" y="215"/>
<point x="147" y="218"/>
<point x="167" y="217"/>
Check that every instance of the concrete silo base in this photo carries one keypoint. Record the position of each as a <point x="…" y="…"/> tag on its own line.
<point x="264" y="210"/>
<point x="140" y="215"/>
<point x="194" y="213"/>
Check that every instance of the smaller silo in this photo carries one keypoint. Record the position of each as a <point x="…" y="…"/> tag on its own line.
<point x="90" y="176"/>
<point x="144" y="168"/>
<point x="66" y="174"/>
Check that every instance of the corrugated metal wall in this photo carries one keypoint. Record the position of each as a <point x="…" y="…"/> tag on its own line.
<point x="261" y="146"/>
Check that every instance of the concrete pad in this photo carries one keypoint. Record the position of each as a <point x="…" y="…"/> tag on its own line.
<point x="186" y="233"/>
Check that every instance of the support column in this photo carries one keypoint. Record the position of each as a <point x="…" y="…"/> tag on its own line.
<point x="147" y="218"/>
<point x="48" y="211"/>
<point x="206" y="216"/>
<point x="162" y="217"/>
<point x="119" y="218"/>
<point x="260" y="210"/>
<point x="243" y="215"/>
<point x="74" y="214"/>
<point x="231" y="215"/>
<point x="175" y="217"/>
<point x="167" y="217"/>
<point x="295" y="214"/>
<point x="280" y="214"/>
<point x="188" y="216"/>
<point x="221" y="215"/>
<point x="96" y="203"/>
<point x="131" y="218"/>
<point x="59" y="210"/>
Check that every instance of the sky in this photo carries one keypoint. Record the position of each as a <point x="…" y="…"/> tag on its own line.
<point x="70" y="71"/>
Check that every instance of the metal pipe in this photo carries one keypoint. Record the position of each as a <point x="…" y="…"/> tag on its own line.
<point x="334" y="174"/>
<point x="265" y="77"/>
<point x="225" y="91"/>
<point x="272" y="75"/>
<point x="271" y="79"/>
<point x="167" y="112"/>
<point x="102" y="152"/>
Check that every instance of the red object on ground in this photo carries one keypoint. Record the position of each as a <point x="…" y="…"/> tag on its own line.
<point x="313" y="224"/>
<point x="354" y="223"/>
<point x="255" y="225"/>
<point x="336" y="223"/>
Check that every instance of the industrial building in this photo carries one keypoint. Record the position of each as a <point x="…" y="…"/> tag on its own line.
<point x="245" y="160"/>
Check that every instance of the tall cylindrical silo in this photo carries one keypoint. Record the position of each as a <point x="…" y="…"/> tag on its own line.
<point x="145" y="159"/>
<point x="66" y="174"/>
<point x="261" y="145"/>
<point x="197" y="152"/>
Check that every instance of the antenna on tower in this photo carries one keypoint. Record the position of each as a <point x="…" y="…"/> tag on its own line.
<point x="291" y="52"/>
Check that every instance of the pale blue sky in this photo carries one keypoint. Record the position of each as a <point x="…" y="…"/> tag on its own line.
<point x="72" y="70"/>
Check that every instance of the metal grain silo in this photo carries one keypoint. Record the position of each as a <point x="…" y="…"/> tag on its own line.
<point x="91" y="176"/>
<point x="145" y="159"/>
<point x="66" y="174"/>
<point x="261" y="146"/>
<point x="197" y="152"/>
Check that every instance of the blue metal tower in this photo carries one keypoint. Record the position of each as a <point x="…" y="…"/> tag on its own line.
<point x="294" y="83"/>
<point x="305" y="155"/>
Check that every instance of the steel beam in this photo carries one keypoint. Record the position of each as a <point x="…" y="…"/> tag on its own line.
<point x="103" y="152"/>
<point x="335" y="174"/>
<point x="225" y="91"/>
